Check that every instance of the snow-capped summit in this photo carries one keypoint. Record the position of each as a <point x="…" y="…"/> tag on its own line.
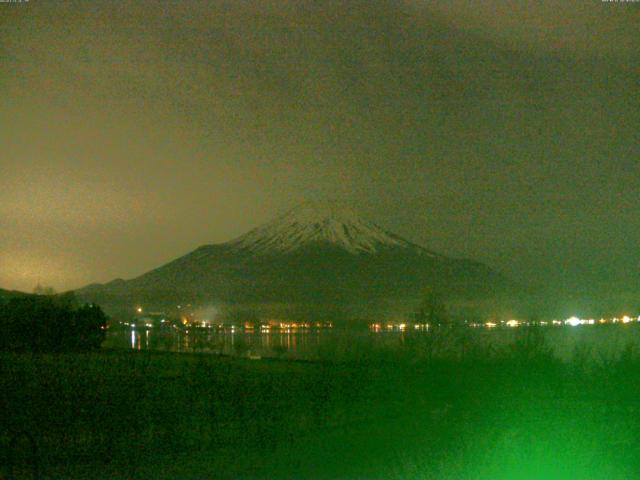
<point x="319" y="222"/>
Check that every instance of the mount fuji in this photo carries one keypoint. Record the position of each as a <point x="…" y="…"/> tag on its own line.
<point x="319" y="223"/>
<point x="318" y="253"/>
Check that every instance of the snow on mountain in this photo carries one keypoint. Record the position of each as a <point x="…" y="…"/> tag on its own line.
<point x="320" y="222"/>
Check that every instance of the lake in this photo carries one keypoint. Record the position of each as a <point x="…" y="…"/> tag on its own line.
<point x="588" y="341"/>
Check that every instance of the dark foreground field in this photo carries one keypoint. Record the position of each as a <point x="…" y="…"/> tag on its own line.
<point x="516" y="414"/>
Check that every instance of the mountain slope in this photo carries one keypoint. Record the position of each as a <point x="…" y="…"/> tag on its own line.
<point x="9" y="294"/>
<point x="315" y="222"/>
<point x="313" y="254"/>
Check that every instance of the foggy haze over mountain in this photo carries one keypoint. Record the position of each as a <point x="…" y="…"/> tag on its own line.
<point x="136" y="131"/>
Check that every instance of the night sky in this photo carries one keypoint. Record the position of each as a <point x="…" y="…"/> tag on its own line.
<point x="134" y="131"/>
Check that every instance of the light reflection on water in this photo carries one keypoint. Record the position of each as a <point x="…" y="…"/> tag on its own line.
<point x="232" y="342"/>
<point x="332" y="343"/>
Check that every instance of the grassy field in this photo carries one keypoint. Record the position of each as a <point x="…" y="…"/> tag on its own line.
<point x="514" y="414"/>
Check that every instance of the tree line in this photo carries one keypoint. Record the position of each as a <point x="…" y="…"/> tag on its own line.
<point x="50" y="323"/>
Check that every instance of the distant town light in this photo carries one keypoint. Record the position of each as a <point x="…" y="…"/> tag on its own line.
<point x="573" y="321"/>
<point x="513" y="323"/>
<point x="139" y="309"/>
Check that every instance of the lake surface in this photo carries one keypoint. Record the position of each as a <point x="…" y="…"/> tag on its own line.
<point x="565" y="341"/>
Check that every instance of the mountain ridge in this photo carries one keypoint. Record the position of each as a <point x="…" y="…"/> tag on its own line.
<point x="310" y="254"/>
